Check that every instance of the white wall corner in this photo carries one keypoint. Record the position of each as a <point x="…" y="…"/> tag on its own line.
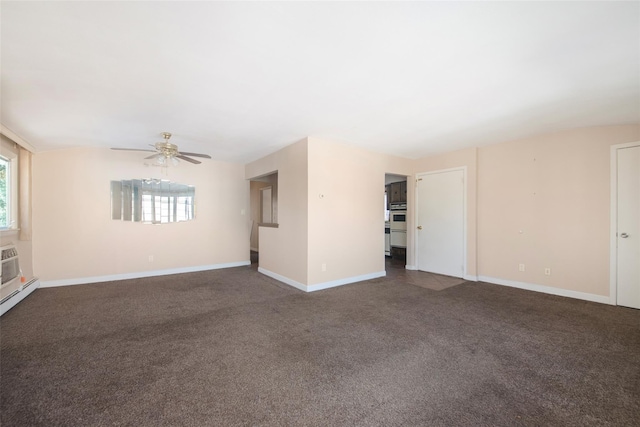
<point x="547" y="290"/>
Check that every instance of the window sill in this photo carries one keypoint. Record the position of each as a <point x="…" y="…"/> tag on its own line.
<point x="9" y="231"/>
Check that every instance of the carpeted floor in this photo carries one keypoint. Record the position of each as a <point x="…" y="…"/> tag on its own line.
<point x="234" y="347"/>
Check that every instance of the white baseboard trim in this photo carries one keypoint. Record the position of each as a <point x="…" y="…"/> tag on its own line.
<point x="547" y="289"/>
<point x="283" y="279"/>
<point x="138" y="275"/>
<point x="22" y="292"/>
<point x="321" y="286"/>
<point x="345" y="281"/>
<point x="411" y="267"/>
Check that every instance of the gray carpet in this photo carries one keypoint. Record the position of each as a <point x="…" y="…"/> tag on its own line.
<point x="233" y="347"/>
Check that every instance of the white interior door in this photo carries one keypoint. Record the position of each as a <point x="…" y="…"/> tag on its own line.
<point x="628" y="227"/>
<point x="440" y="223"/>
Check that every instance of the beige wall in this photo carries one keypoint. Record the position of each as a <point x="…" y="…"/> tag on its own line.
<point x="283" y="250"/>
<point x="461" y="158"/>
<point x="544" y="202"/>
<point x="346" y="210"/>
<point x="74" y="236"/>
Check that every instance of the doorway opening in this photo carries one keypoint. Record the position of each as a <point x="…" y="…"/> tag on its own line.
<point x="395" y="225"/>
<point x="263" y="206"/>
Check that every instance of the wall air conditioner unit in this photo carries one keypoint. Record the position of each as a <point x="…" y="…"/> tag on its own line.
<point x="10" y="265"/>
<point x="14" y="288"/>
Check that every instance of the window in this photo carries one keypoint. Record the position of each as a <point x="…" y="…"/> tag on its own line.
<point x="8" y="192"/>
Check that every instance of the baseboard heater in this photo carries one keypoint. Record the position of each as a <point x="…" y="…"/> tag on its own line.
<point x="18" y="295"/>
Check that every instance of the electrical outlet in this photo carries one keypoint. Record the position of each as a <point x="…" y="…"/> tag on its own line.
<point x="150" y="258"/>
<point x="520" y="267"/>
<point x="547" y="271"/>
<point x="323" y="267"/>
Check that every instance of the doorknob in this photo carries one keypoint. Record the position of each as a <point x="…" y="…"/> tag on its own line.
<point x="419" y="227"/>
<point x="624" y="235"/>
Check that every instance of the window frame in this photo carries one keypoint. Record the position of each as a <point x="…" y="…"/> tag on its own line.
<point x="12" y="191"/>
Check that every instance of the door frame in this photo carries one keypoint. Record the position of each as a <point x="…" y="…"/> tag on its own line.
<point x="613" y="221"/>
<point x="464" y="216"/>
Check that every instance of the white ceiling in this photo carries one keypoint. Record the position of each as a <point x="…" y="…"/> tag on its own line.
<point x="241" y="80"/>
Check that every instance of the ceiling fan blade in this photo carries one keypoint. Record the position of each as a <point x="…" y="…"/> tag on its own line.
<point x="194" y="161"/>
<point x="206" y="156"/>
<point x="133" y="149"/>
<point x="153" y="156"/>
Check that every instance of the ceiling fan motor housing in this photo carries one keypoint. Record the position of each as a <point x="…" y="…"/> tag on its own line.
<point x="167" y="149"/>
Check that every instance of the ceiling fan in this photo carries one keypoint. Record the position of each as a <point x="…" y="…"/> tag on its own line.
<point x="166" y="152"/>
